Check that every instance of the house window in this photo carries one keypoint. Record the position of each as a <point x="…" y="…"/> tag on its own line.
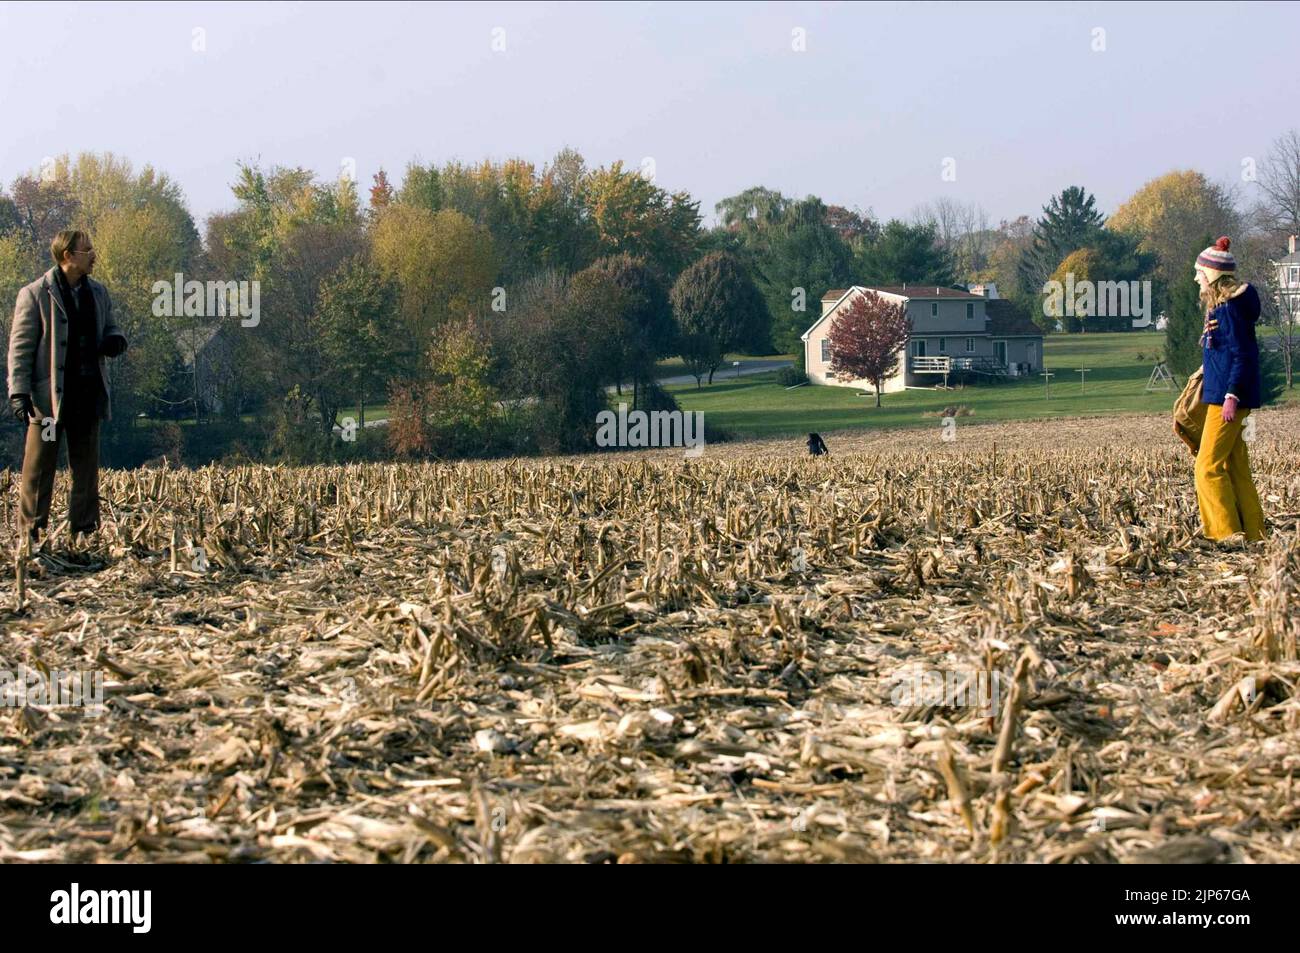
<point x="970" y="345"/>
<point x="826" y="351"/>
<point x="934" y="309"/>
<point x="970" y="310"/>
<point x="943" y="345"/>
<point x="1295" y="274"/>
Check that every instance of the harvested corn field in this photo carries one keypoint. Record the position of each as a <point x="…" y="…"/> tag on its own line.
<point x="750" y="656"/>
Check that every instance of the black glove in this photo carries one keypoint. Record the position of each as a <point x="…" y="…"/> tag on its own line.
<point x="22" y="407"/>
<point x="113" y="345"/>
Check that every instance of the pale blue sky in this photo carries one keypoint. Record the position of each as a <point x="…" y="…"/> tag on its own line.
<point x="713" y="92"/>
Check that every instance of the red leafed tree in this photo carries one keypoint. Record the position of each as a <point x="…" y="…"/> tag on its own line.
<point x="381" y="193"/>
<point x="867" y="338"/>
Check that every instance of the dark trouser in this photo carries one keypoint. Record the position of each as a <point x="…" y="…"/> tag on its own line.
<point x="80" y="428"/>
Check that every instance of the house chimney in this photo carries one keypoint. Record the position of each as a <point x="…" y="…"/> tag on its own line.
<point x="1291" y="245"/>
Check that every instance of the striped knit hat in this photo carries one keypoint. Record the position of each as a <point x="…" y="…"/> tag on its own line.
<point x="1216" y="261"/>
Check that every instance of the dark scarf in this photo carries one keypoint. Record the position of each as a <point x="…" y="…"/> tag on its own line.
<point x="81" y="372"/>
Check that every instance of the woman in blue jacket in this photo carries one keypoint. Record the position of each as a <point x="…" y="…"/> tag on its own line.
<point x="1232" y="388"/>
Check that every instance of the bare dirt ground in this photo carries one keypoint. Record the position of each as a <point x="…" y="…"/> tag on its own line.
<point x="750" y="656"/>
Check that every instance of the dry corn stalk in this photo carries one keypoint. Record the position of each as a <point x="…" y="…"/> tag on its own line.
<point x="625" y="658"/>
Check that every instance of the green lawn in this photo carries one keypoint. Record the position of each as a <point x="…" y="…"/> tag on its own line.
<point x="758" y="406"/>
<point x="1120" y="366"/>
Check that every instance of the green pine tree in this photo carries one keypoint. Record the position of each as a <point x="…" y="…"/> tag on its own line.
<point x="1070" y="221"/>
<point x="1183" y="334"/>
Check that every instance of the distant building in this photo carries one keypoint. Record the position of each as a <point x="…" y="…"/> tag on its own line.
<point x="204" y="353"/>
<point x="1288" y="282"/>
<point x="952" y="332"/>
<point x="1146" y="324"/>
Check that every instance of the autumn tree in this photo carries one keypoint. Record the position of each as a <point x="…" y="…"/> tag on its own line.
<point x="137" y="247"/>
<point x="443" y="264"/>
<point x="852" y="225"/>
<point x="15" y="272"/>
<point x="361" y="339"/>
<point x="295" y="332"/>
<point x="381" y="193"/>
<point x="717" y="306"/>
<point x="1170" y="215"/>
<point x="291" y="233"/>
<point x="632" y="214"/>
<point x="554" y="346"/>
<point x="537" y="220"/>
<point x="450" y="409"/>
<point x="867" y="339"/>
<point x="105" y="183"/>
<point x="1010" y="243"/>
<point x="1077" y="268"/>
<point x="1086" y="273"/>
<point x="646" y="328"/>
<point x="43" y="203"/>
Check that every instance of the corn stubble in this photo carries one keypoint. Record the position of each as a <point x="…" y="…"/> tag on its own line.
<point x="640" y="658"/>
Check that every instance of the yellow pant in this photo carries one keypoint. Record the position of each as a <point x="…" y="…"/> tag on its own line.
<point x="1224" y="488"/>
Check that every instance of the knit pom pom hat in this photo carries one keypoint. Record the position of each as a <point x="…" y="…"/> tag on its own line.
<point x="1216" y="261"/>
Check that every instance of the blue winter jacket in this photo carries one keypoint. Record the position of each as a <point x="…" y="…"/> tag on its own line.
<point x="1230" y="354"/>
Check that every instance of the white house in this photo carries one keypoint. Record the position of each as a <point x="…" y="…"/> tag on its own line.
<point x="1288" y="281"/>
<point x="952" y="332"/>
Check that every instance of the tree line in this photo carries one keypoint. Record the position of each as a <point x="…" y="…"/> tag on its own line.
<point x="491" y="306"/>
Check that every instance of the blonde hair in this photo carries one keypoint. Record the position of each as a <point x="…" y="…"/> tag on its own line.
<point x="1218" y="291"/>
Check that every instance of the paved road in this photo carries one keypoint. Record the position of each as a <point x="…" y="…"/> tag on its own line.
<point x="727" y="371"/>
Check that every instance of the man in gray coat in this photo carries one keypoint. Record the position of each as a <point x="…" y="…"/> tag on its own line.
<point x="62" y="331"/>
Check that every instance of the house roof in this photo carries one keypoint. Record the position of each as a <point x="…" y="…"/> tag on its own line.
<point x="913" y="293"/>
<point x="837" y="296"/>
<point x="916" y="292"/>
<point x="190" y="341"/>
<point x="1005" y="320"/>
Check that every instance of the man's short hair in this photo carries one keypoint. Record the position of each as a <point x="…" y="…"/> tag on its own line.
<point x="66" y="240"/>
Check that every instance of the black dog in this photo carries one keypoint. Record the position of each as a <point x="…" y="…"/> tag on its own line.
<point x="816" y="445"/>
